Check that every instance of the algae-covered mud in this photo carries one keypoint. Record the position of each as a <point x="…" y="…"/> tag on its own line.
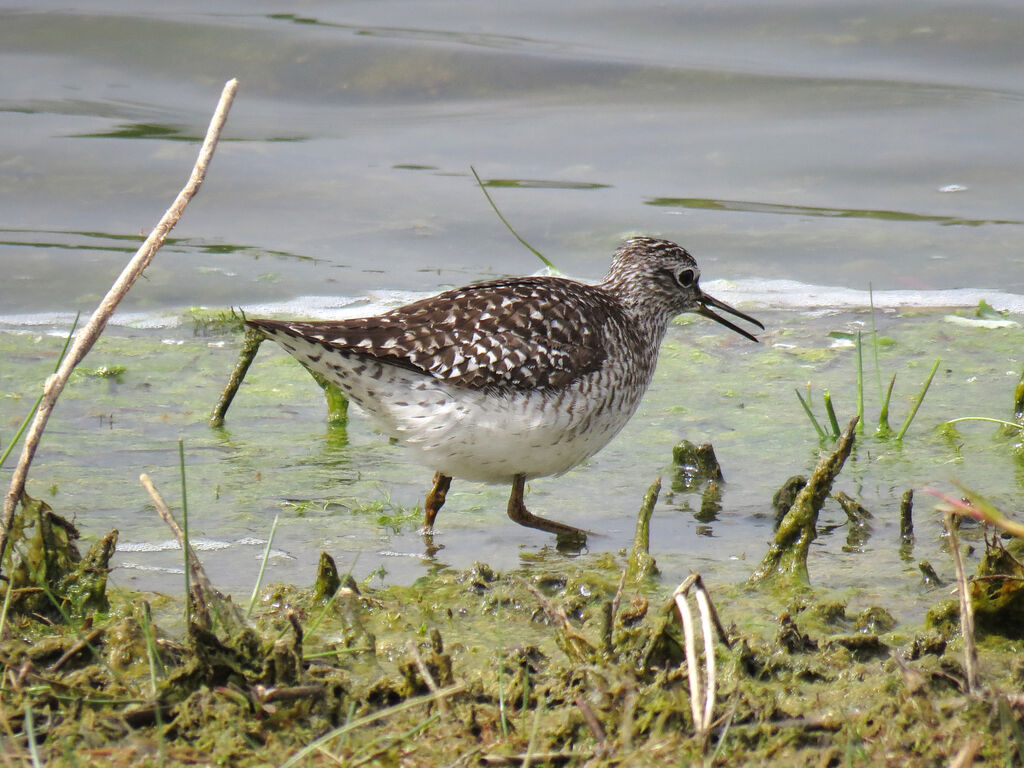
<point x="416" y="652"/>
<point x="581" y="664"/>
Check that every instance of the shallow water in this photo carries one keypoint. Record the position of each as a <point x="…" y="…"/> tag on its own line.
<point x="793" y="147"/>
<point x="353" y="494"/>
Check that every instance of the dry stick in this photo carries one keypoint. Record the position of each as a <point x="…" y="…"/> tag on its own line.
<point x="709" y="652"/>
<point x="702" y="718"/>
<point x="692" y="670"/>
<point x="966" y="611"/>
<point x="88" y="335"/>
<point x="204" y="595"/>
<point x="78" y="647"/>
<point x="199" y="577"/>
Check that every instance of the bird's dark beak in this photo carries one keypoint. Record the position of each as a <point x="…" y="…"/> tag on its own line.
<point x="706" y="302"/>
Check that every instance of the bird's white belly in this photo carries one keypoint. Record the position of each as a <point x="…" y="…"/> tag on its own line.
<point x="493" y="438"/>
<point x="473" y="434"/>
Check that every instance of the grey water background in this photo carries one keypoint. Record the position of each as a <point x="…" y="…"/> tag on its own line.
<point x="835" y="144"/>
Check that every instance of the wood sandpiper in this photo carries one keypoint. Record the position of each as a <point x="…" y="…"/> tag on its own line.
<point x="511" y="379"/>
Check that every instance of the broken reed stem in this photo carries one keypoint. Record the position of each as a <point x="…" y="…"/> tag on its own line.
<point x="702" y="715"/>
<point x="192" y="564"/>
<point x="918" y="401"/>
<point x="250" y="346"/>
<point x="692" y="671"/>
<point x="185" y="546"/>
<point x="88" y="336"/>
<point x="709" y="654"/>
<point x="972" y="682"/>
<point x="907" y="515"/>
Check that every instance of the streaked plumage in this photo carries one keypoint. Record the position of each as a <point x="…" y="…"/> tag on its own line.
<point x="510" y="379"/>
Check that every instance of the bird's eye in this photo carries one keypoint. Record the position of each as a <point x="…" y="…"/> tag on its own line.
<point x="686" y="278"/>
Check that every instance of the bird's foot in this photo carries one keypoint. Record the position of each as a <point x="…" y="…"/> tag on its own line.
<point x="569" y="537"/>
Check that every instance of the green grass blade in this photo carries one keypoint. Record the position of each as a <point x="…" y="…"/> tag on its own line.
<point x="303" y="754"/>
<point x="263" y="565"/>
<point x="860" y="384"/>
<point x="21" y="429"/>
<point x="504" y="221"/>
<point x="152" y="654"/>
<point x="30" y="736"/>
<point x="884" y="430"/>
<point x="814" y="421"/>
<point x="918" y="401"/>
<point x="184" y="535"/>
<point x="502" y="709"/>
<point x="832" y="420"/>
<point x="32" y="412"/>
<point x="1001" y="422"/>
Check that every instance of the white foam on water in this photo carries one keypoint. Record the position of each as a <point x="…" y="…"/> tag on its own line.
<point x="750" y="293"/>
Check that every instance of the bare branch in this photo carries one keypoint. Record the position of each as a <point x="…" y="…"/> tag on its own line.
<point x="87" y="336"/>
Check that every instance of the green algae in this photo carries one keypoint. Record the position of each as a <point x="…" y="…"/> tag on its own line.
<point x="838" y="694"/>
<point x="461" y="667"/>
<point x="640" y="564"/>
<point x="786" y="559"/>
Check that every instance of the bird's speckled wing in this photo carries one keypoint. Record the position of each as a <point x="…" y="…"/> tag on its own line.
<point x="515" y="334"/>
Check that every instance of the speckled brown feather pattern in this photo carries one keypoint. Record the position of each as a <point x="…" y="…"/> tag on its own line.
<point x="530" y="333"/>
<point x="510" y="379"/>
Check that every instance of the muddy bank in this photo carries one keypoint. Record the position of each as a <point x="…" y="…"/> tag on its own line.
<point x="581" y="664"/>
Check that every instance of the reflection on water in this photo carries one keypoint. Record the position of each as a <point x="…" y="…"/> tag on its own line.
<point x="808" y="210"/>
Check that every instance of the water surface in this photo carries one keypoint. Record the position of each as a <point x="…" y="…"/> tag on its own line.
<point x="801" y="151"/>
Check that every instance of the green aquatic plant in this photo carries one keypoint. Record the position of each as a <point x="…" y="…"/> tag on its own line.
<point x="214" y="322"/>
<point x="883" y="430"/>
<point x="534" y="251"/>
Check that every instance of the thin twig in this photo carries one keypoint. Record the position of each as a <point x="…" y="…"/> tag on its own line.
<point x="578" y="643"/>
<point x="203" y="591"/>
<point x="965" y="756"/>
<point x="972" y="682"/>
<point x="78" y="647"/>
<point x="591" y="720"/>
<point x="87" y="338"/>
